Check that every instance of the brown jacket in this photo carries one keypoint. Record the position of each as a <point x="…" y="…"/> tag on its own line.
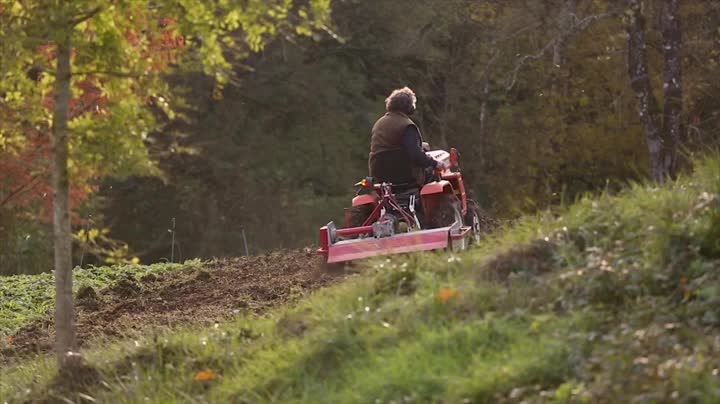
<point x="387" y="135"/>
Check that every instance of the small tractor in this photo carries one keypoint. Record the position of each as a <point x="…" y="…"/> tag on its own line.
<point x="390" y="219"/>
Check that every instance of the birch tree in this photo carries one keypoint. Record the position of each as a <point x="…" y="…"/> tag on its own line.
<point x="662" y="128"/>
<point x="672" y="87"/>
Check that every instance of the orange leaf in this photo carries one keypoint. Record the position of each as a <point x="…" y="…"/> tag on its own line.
<point x="205" y="375"/>
<point x="445" y="294"/>
<point x="9" y="339"/>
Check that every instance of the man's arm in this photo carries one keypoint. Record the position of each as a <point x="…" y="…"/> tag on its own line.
<point x="411" y="144"/>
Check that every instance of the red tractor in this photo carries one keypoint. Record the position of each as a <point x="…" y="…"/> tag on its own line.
<point x="400" y="218"/>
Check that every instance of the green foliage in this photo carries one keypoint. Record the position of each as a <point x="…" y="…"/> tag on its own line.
<point x="95" y="242"/>
<point x="624" y="312"/>
<point x="121" y="49"/>
<point x="122" y="54"/>
<point x="25" y="298"/>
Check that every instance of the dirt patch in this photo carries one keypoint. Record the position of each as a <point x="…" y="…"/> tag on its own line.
<point x="127" y="287"/>
<point x="220" y="290"/>
<point x="86" y="293"/>
<point x="87" y="298"/>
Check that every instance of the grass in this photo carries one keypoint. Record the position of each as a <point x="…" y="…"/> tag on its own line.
<point x="613" y="299"/>
<point x="24" y="298"/>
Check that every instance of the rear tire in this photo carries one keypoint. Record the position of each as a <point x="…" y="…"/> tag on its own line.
<point x="358" y="214"/>
<point x="472" y="219"/>
<point x="445" y="212"/>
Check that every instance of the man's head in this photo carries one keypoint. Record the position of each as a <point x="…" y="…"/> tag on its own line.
<point x="401" y="100"/>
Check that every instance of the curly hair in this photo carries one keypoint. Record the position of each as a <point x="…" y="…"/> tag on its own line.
<point x="401" y="100"/>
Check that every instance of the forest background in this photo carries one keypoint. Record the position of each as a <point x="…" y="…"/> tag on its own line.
<point x="536" y="96"/>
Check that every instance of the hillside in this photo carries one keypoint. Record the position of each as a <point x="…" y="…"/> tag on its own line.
<point x="613" y="299"/>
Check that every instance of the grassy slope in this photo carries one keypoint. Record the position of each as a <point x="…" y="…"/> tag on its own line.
<point x="615" y="299"/>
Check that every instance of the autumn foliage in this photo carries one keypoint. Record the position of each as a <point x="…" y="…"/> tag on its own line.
<point x="25" y="189"/>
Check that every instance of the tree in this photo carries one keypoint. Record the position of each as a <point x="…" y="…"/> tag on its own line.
<point x="640" y="83"/>
<point x="662" y="130"/>
<point x="50" y="46"/>
<point x="672" y="87"/>
<point x="62" y="233"/>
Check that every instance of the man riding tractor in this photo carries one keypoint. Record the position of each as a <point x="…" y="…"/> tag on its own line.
<point x="397" y="151"/>
<point x="396" y="146"/>
<point x="413" y="200"/>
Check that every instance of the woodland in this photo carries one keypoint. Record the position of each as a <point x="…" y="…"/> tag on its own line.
<point x="540" y="98"/>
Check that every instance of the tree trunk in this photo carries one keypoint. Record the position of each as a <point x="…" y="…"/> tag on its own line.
<point x="483" y="110"/>
<point x="567" y="20"/>
<point x="445" y="116"/>
<point x="640" y="82"/>
<point x="672" y="88"/>
<point x="64" y="311"/>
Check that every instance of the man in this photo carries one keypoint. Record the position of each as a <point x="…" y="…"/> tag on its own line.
<point x="396" y="153"/>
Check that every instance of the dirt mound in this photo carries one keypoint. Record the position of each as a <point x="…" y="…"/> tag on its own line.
<point x="219" y="290"/>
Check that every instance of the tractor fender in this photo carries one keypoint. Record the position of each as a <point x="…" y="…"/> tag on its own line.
<point x="364" y="199"/>
<point x="437" y="187"/>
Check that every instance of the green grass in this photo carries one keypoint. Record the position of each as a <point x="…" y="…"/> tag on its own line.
<point x="613" y="299"/>
<point x="24" y="298"/>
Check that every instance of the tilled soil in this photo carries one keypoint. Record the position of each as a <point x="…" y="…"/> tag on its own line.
<point x="217" y="291"/>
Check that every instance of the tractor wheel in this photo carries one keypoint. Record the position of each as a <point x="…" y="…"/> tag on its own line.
<point x="472" y="219"/>
<point x="358" y="214"/>
<point x="446" y="212"/>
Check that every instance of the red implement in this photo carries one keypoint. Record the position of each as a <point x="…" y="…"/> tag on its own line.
<point x="424" y="240"/>
<point x="350" y="250"/>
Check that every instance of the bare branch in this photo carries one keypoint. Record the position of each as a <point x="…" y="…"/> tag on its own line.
<point x="106" y="73"/>
<point x="84" y="17"/>
<point x="22" y="188"/>
<point x="490" y="62"/>
<point x="578" y="26"/>
<point x="523" y="59"/>
<point x="516" y="33"/>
